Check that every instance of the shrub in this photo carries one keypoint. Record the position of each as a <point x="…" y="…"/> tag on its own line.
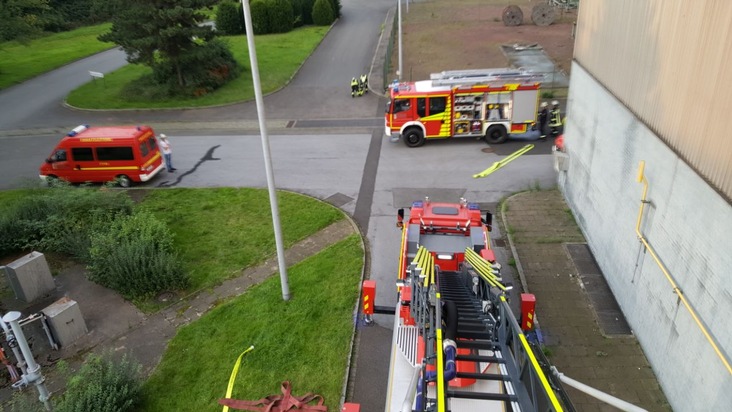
<point x="60" y="219"/>
<point x="103" y="385"/>
<point x="336" y="4"/>
<point x="297" y="13"/>
<point x="307" y="11"/>
<point x="281" y="16"/>
<point x="229" y="18"/>
<point x="260" y="17"/>
<point x="135" y="257"/>
<point x="323" y="13"/>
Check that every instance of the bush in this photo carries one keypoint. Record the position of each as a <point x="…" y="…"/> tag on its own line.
<point x="281" y="16"/>
<point x="103" y="385"/>
<point x="297" y="13"/>
<point x="260" y="16"/>
<point x="60" y="219"/>
<point x="323" y="14"/>
<point x="135" y="257"/>
<point x="307" y="11"/>
<point x="229" y="18"/>
<point x="336" y="4"/>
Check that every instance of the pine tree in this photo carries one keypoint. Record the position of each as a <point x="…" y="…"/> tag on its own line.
<point x="161" y="32"/>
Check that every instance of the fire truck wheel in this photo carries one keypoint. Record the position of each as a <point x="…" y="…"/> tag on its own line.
<point x="124" y="181"/>
<point x="496" y="134"/>
<point x="414" y="137"/>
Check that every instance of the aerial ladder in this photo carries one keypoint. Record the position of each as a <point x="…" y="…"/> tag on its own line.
<point x="491" y="77"/>
<point x="469" y="336"/>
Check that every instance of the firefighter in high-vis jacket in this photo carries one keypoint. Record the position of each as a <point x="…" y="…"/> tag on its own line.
<point x="363" y="83"/>
<point x="555" y="118"/>
<point x="354" y="87"/>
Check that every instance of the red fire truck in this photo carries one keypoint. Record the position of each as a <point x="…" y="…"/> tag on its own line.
<point x="457" y="344"/>
<point x="489" y="103"/>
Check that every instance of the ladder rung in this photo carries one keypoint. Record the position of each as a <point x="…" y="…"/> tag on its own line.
<point x="478" y="395"/>
<point x="475" y="335"/>
<point x="484" y="376"/>
<point x="480" y="358"/>
<point x="477" y="344"/>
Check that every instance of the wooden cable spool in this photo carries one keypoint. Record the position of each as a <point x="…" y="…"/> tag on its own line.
<point x="543" y="14"/>
<point x="513" y="16"/>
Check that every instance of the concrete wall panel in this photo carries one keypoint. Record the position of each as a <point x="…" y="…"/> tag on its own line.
<point x="687" y="222"/>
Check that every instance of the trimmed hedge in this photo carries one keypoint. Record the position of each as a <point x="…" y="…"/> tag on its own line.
<point x="229" y="18"/>
<point x="281" y="16"/>
<point x="260" y="17"/>
<point x="323" y="14"/>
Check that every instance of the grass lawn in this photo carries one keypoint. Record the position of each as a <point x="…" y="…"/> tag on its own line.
<point x="219" y="232"/>
<point x="19" y="62"/>
<point x="279" y="56"/>
<point x="305" y="340"/>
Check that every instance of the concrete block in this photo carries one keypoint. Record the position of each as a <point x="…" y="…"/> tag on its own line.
<point x="65" y="320"/>
<point x="30" y="277"/>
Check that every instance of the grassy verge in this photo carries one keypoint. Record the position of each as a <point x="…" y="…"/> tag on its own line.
<point x="219" y="232"/>
<point x="19" y="62"/>
<point x="305" y="340"/>
<point x="279" y="56"/>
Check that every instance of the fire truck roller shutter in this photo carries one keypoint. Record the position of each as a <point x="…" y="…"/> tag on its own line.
<point x="412" y="240"/>
<point x="476" y="238"/>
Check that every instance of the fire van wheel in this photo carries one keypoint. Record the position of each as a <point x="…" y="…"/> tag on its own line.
<point x="51" y="180"/>
<point x="496" y="134"/>
<point x="124" y="181"/>
<point x="414" y="137"/>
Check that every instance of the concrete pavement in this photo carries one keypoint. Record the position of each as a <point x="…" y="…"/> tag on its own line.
<point x="581" y="340"/>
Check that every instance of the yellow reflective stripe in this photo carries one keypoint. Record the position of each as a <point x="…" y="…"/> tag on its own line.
<point x="483" y="268"/>
<point x="402" y="255"/>
<point x="234" y="372"/>
<point x="153" y="159"/>
<point x="440" y="371"/>
<point x="109" y="168"/>
<point x="540" y="373"/>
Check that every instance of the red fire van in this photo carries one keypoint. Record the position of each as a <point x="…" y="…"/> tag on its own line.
<point x="124" y="154"/>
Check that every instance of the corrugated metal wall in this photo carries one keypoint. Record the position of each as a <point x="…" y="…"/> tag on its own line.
<point x="670" y="62"/>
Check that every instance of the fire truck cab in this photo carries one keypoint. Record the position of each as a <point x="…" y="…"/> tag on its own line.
<point x="490" y="104"/>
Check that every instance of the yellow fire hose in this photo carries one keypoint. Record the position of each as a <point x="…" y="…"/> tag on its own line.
<point x="497" y="165"/>
<point x="234" y="372"/>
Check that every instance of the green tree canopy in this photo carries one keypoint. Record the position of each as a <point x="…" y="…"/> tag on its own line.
<point x="170" y="37"/>
<point x="20" y="19"/>
<point x="151" y="31"/>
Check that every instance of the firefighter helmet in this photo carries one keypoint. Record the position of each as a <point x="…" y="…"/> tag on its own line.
<point x="544" y="104"/>
<point x="555" y="103"/>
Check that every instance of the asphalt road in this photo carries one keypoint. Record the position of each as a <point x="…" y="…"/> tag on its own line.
<point x="341" y="159"/>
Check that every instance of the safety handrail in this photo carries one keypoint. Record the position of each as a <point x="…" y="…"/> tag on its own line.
<point x="484" y="268"/>
<point x="642" y="179"/>
<point x="524" y="359"/>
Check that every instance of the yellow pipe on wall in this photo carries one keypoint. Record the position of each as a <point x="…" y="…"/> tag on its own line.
<point x="642" y="179"/>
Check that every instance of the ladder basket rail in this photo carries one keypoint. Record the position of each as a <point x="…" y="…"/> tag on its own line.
<point x="534" y="388"/>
